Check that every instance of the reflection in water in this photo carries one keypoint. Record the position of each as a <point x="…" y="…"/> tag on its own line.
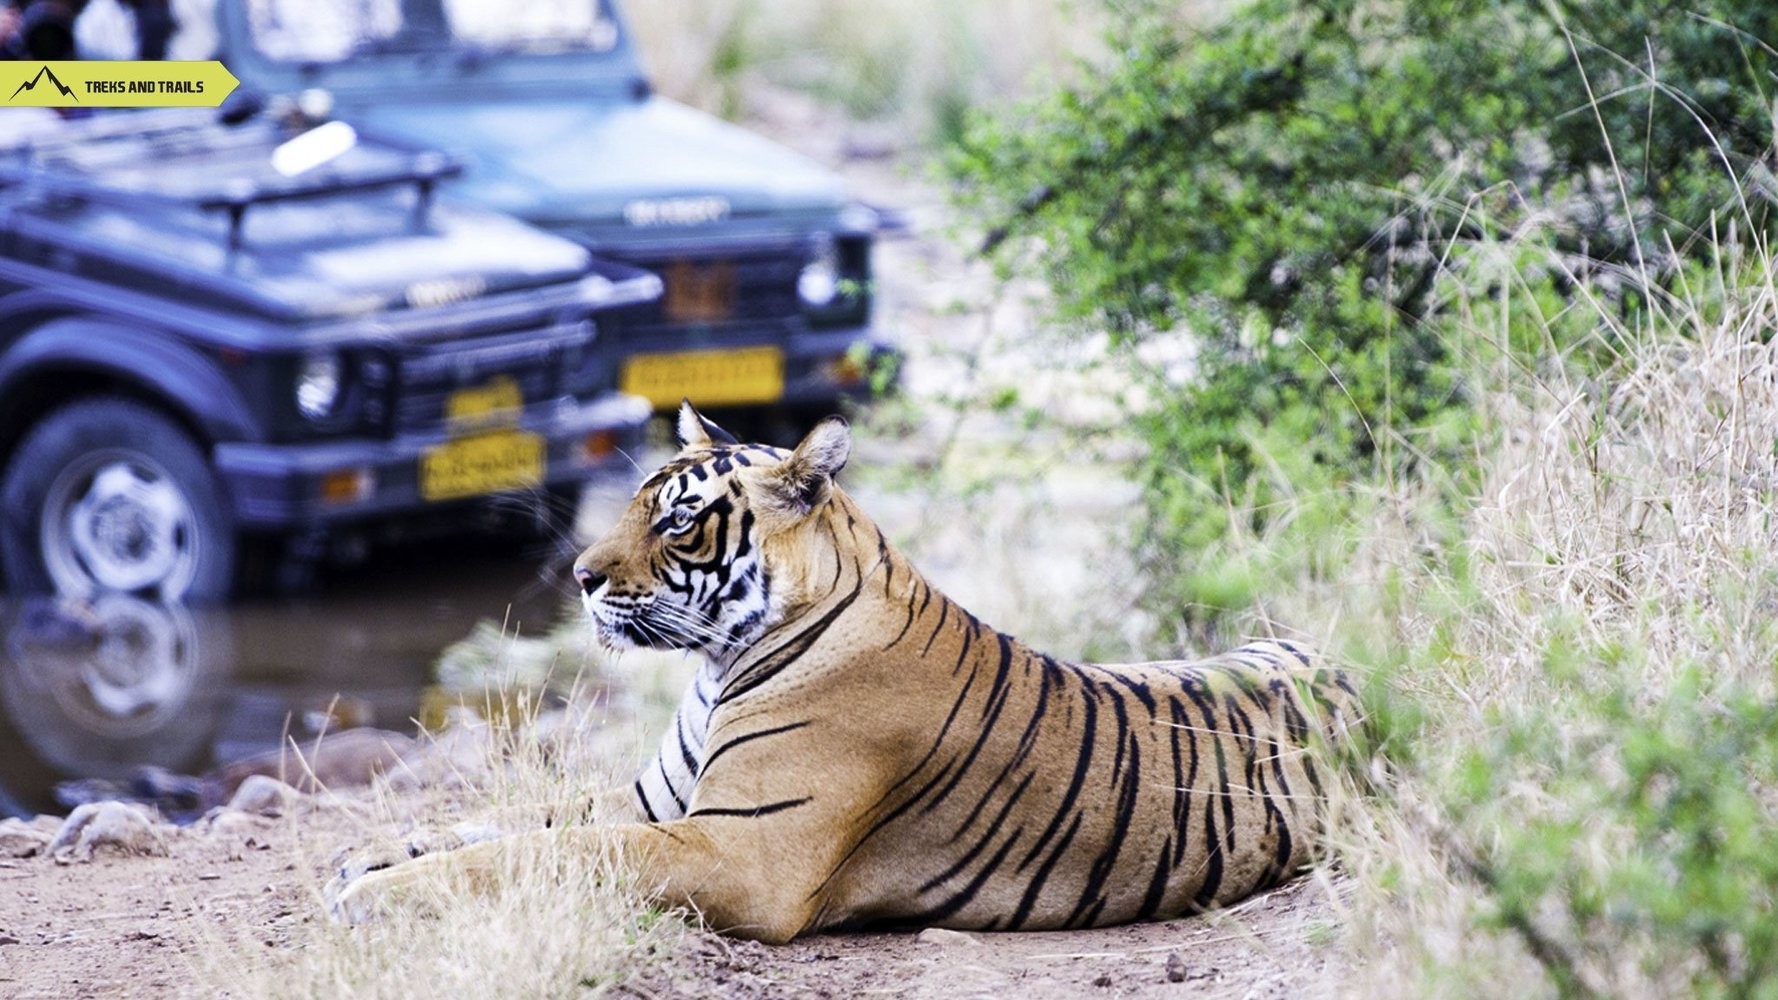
<point x="99" y="689"/>
<point x="122" y="697"/>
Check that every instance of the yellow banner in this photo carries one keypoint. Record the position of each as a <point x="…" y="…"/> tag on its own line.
<point x="114" y="84"/>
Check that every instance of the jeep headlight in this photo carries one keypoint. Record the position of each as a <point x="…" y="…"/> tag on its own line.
<point x="318" y="385"/>
<point x="819" y="281"/>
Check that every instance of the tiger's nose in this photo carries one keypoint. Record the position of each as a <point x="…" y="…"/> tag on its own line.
<point x="589" y="580"/>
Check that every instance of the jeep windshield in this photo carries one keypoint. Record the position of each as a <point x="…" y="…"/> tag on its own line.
<point x="319" y="32"/>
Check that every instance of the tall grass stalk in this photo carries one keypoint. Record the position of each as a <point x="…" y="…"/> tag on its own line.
<point x="1574" y="660"/>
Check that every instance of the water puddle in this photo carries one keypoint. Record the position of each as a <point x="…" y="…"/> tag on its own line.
<point x="122" y="697"/>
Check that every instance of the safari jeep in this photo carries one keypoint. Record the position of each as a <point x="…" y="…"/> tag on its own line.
<point x="224" y="340"/>
<point x="766" y="264"/>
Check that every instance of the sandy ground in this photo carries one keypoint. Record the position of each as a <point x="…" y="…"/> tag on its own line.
<point x="1276" y="945"/>
<point x="145" y="925"/>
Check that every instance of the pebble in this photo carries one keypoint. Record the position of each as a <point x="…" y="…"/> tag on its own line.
<point x="946" y="936"/>
<point x="1103" y="981"/>
<point x="264" y="795"/>
<point x="113" y="826"/>
<point x="1175" y="968"/>
<point x="19" y="839"/>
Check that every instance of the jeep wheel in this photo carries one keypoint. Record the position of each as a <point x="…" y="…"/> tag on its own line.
<point x="108" y="495"/>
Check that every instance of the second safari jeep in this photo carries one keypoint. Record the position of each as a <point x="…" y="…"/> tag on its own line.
<point x="766" y="263"/>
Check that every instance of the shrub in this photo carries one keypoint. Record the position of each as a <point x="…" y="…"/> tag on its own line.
<point x="1294" y="187"/>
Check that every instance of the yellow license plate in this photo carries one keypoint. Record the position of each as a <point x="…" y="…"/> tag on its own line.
<point x="482" y="463"/>
<point x="707" y="378"/>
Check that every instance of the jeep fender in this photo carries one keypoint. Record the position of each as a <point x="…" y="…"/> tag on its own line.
<point x="173" y="374"/>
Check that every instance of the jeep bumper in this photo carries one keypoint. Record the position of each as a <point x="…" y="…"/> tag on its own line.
<point x="279" y="487"/>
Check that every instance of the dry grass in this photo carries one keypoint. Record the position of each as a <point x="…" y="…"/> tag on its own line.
<point x="1621" y="540"/>
<point x="556" y="928"/>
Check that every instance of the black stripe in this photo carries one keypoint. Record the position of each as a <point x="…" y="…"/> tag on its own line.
<point x="647" y="810"/>
<point x="1157" y="883"/>
<point x="737" y="741"/>
<point x="993" y="828"/>
<point x="997" y="698"/>
<point x="1281" y="857"/>
<point x="944" y="612"/>
<point x="667" y="779"/>
<point x="771" y="663"/>
<point x="1212" y="849"/>
<point x="904" y="628"/>
<point x="685" y="755"/>
<point x="1027" y="740"/>
<point x="1120" y="825"/>
<point x="957" y="902"/>
<point x="765" y="810"/>
<point x="1042" y="875"/>
<point x="1081" y="763"/>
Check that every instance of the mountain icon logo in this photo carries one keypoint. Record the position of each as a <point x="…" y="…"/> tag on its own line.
<point x="31" y="84"/>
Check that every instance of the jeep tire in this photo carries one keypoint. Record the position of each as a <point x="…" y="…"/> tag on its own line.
<point x="109" y="495"/>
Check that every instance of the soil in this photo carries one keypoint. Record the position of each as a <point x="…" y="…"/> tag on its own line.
<point x="122" y="925"/>
<point x="126" y="925"/>
<point x="149" y="926"/>
<point x="1275" y="945"/>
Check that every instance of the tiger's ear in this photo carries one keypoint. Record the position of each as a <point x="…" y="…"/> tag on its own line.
<point x="697" y="431"/>
<point x="804" y="481"/>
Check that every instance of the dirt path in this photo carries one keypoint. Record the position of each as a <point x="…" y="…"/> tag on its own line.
<point x="118" y="926"/>
<point x="150" y="926"/>
<point x="1275" y="945"/>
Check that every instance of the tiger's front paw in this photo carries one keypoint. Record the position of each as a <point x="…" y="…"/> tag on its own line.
<point x="364" y="898"/>
<point x="358" y="873"/>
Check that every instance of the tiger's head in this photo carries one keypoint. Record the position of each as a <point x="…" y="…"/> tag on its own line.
<point x="718" y="545"/>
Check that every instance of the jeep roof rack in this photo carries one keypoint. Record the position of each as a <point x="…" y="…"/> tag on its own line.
<point x="72" y="163"/>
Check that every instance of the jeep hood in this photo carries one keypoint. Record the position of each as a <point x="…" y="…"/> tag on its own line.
<point x="571" y="163"/>
<point x="313" y="261"/>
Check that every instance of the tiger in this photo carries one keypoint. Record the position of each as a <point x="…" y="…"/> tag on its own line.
<point x="859" y="751"/>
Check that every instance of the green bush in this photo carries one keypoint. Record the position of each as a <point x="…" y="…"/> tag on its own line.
<point x="1294" y="187"/>
<point x="1660" y="840"/>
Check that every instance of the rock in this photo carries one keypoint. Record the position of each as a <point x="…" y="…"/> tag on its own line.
<point x="263" y="795"/>
<point x="1175" y="968"/>
<point x="19" y="839"/>
<point x="349" y="758"/>
<point x="945" y="936"/>
<point x="1103" y="981"/>
<point x="457" y="756"/>
<point x="122" y="827"/>
<point x="7" y="939"/>
<point x="232" y="824"/>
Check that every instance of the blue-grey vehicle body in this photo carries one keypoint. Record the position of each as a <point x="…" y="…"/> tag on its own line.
<point x="758" y="247"/>
<point x="157" y="257"/>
